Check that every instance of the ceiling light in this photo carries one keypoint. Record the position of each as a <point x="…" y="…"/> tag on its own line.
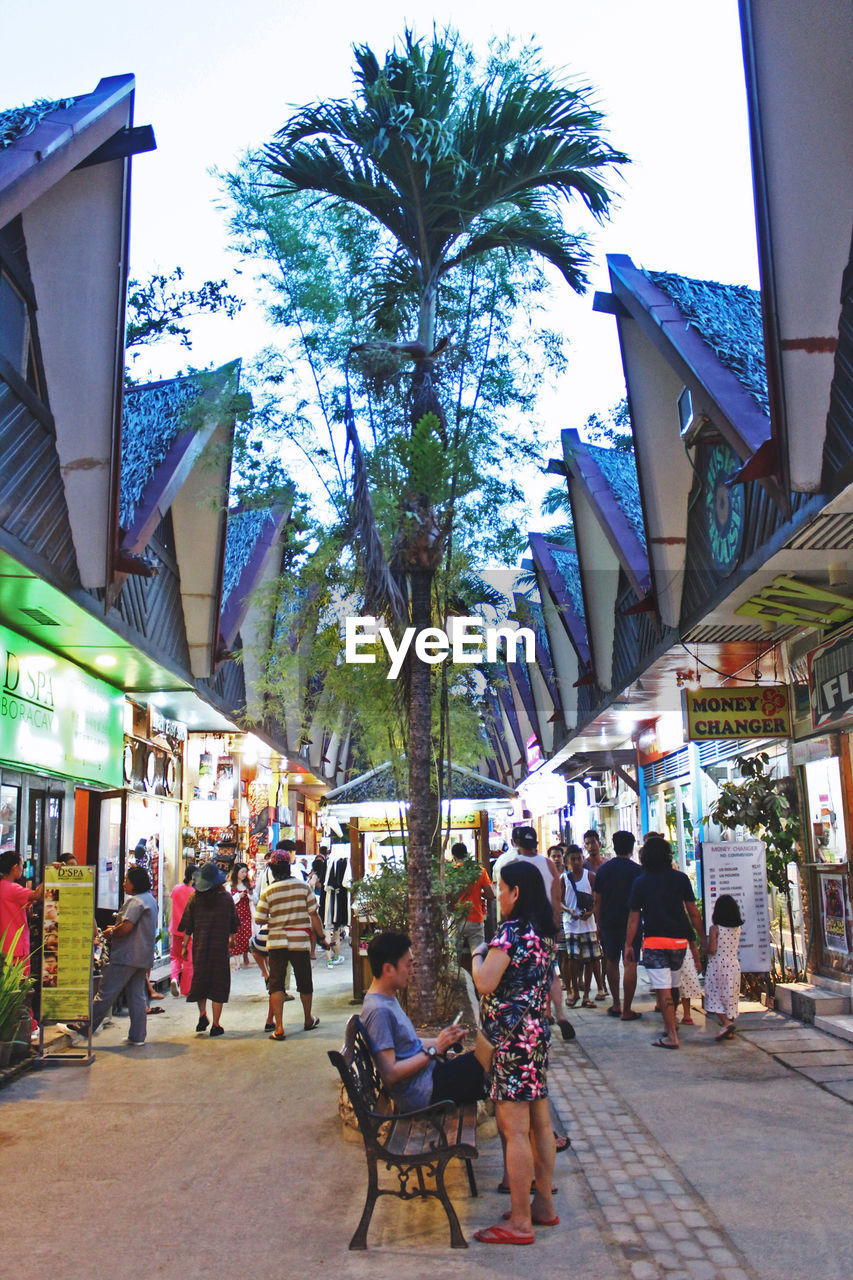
<point x="105" y="660"/>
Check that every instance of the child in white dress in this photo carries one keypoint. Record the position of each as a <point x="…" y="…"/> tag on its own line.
<point x="722" y="980"/>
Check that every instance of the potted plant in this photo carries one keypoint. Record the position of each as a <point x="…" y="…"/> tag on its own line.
<point x="15" y="987"/>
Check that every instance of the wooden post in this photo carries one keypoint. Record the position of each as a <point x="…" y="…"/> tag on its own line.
<point x="483" y="841"/>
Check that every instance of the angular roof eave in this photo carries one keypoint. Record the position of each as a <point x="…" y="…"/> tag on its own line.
<point x="575" y="625"/>
<point x="62" y="139"/>
<point x="744" y="424"/>
<point x="615" y="525"/>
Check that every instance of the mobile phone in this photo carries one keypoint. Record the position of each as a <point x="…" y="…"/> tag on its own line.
<point x="457" y="1019"/>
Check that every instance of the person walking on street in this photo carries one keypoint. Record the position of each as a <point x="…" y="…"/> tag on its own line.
<point x="131" y="941"/>
<point x="289" y="907"/>
<point x="470" y="929"/>
<point x="722" y="981"/>
<point x="240" y="891"/>
<point x="210" y="920"/>
<point x="579" y="927"/>
<point x="181" y="966"/>
<point x="611" y="891"/>
<point x="663" y="898"/>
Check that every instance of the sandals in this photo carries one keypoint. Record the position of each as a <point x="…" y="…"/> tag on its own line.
<point x="567" y="1031"/>
<point x="660" y="1043"/>
<point x="587" y="1004"/>
<point x="562" y="1141"/>
<point x="276" y="1036"/>
<point x="537" y="1222"/>
<point x="269" y="1026"/>
<point x="613" y="1012"/>
<point x="687" y="1022"/>
<point x="312" y="1025"/>
<point x="631" y="1017"/>
<point x="726" y="1034"/>
<point x="501" y="1235"/>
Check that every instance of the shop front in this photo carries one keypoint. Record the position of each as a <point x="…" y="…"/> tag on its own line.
<point x="825" y="763"/>
<point x="61" y="744"/>
<point x="140" y="823"/>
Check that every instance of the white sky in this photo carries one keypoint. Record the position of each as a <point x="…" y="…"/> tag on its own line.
<point x="214" y="77"/>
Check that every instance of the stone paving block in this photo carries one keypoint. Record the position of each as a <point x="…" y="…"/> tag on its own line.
<point x="689" y="1249"/>
<point x="722" y="1257"/>
<point x="677" y="1231"/>
<point x="733" y="1273"/>
<point x="841" y="1089"/>
<point x="623" y="1233"/>
<point x="707" y="1237"/>
<point x="701" y="1269"/>
<point x="644" y="1271"/>
<point x="694" y="1219"/>
<point x="817" y="1058"/>
<point x="820" y="1074"/>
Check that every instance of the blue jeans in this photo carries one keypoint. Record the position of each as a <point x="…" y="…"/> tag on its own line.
<point x="131" y="980"/>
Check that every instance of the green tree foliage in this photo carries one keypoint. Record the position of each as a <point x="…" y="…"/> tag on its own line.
<point x="454" y="178"/>
<point x="160" y="308"/>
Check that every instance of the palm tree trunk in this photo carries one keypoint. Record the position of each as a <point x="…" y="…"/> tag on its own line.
<point x="422" y="815"/>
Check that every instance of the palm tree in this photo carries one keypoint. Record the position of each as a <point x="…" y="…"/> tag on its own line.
<point x="453" y="170"/>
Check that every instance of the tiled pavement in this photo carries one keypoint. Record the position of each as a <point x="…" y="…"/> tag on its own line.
<point x="647" y="1214"/>
<point x="823" y="1059"/>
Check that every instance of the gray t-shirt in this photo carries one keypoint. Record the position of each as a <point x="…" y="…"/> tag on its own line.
<point x="388" y="1027"/>
<point x="137" y="947"/>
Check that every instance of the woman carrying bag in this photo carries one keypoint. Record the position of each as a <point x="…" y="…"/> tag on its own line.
<point x="513" y="976"/>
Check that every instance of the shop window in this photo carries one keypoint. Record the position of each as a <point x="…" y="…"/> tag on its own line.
<point x="10" y="800"/>
<point x="109" y="854"/>
<point x="826" y="819"/>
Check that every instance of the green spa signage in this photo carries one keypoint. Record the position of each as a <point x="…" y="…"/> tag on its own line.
<point x="55" y="717"/>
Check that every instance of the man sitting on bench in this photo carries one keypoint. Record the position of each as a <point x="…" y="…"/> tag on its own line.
<point x="415" y="1072"/>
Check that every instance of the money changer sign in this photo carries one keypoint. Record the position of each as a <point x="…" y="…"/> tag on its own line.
<point x="745" y="711"/>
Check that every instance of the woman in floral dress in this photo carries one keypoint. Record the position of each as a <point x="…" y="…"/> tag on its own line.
<point x="241" y="892"/>
<point x="513" y="977"/>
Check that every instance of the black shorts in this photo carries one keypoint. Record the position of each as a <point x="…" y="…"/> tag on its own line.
<point x="613" y="942"/>
<point x="279" y="958"/>
<point x="458" y="1077"/>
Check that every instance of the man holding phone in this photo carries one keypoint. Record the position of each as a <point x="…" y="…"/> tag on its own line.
<point x="415" y="1072"/>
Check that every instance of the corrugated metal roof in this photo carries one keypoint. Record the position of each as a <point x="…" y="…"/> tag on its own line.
<point x="728" y="319"/>
<point x="32" y="495"/>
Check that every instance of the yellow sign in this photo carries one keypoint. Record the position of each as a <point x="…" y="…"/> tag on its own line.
<point x="745" y="711"/>
<point x="66" y="971"/>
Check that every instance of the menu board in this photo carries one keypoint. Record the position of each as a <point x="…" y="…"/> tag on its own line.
<point x="66" y="971"/>
<point x="739" y="869"/>
<point x="835" y="907"/>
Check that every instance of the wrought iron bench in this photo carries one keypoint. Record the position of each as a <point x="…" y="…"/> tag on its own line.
<point x="416" y="1145"/>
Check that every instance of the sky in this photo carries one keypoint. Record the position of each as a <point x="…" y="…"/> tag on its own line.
<point x="215" y="78"/>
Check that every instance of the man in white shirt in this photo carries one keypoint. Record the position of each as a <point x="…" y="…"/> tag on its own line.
<point x="526" y="845"/>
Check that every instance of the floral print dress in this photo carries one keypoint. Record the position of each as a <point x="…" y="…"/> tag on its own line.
<point x="515" y="1014"/>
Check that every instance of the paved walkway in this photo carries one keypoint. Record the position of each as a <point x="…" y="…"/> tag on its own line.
<point x="224" y="1159"/>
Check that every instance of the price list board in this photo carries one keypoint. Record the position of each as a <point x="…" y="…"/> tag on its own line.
<point x="66" y="974"/>
<point x="739" y="869"/>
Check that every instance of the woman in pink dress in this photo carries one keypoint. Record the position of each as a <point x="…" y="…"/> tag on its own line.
<point x="14" y="900"/>
<point x="182" y="968"/>
<point x="241" y="891"/>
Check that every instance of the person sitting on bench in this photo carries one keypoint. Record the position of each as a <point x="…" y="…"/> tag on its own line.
<point x="415" y="1072"/>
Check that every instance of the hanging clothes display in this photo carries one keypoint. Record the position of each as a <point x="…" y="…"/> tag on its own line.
<point x="338" y="881"/>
